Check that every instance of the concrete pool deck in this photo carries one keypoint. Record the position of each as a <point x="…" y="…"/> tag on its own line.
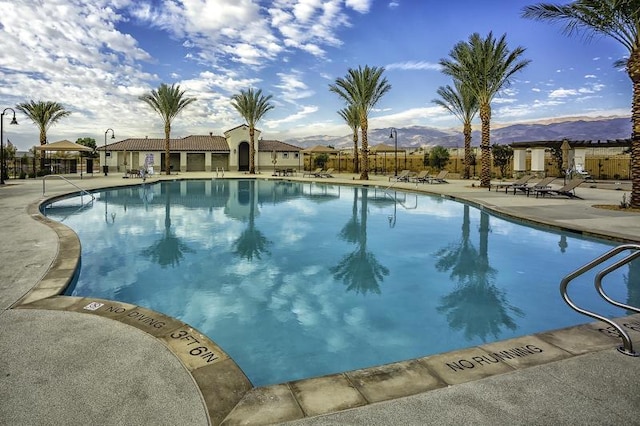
<point x="58" y="365"/>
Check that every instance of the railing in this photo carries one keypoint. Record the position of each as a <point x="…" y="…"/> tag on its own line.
<point x="220" y="171"/>
<point x="399" y="181"/>
<point x="627" y="347"/>
<point x="393" y="217"/>
<point x="82" y="191"/>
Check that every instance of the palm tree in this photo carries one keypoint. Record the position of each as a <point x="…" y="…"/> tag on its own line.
<point x="485" y="66"/>
<point x="361" y="89"/>
<point x="460" y="101"/>
<point x="252" y="106"/>
<point x="351" y="117"/>
<point x="619" y="20"/>
<point x="44" y="114"/>
<point x="168" y="102"/>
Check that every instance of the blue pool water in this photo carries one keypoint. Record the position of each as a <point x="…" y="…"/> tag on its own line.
<point x="295" y="280"/>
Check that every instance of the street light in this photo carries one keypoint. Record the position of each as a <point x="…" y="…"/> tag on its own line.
<point x="394" y="135"/>
<point x="13" y="121"/>
<point x="105" y="168"/>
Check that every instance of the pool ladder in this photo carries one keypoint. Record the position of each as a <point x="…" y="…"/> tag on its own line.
<point x="627" y="346"/>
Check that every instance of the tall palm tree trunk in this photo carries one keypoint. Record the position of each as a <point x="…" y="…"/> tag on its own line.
<point x="252" y="151"/>
<point x="167" y="149"/>
<point x="633" y="66"/>
<point x="485" y="159"/>
<point x="467" y="150"/>
<point x="356" y="159"/>
<point x="364" y="126"/>
<point x="43" y="141"/>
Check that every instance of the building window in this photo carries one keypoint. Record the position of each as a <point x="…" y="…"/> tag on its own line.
<point x="296" y="155"/>
<point x="285" y="155"/>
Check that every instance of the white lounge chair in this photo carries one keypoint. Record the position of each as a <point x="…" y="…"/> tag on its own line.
<point x="439" y="178"/>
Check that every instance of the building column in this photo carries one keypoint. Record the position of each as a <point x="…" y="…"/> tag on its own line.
<point x="183" y="162"/>
<point x="519" y="161"/>
<point x="207" y="161"/>
<point x="537" y="162"/>
<point x="579" y="158"/>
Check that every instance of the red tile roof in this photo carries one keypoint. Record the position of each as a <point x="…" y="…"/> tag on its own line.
<point x="272" y="145"/>
<point x="193" y="143"/>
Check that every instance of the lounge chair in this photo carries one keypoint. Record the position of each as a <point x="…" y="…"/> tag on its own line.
<point x="315" y="173"/>
<point x="439" y="178"/>
<point x="567" y="190"/>
<point x="402" y="177"/>
<point x="508" y="185"/>
<point x="420" y="177"/>
<point x="544" y="183"/>
<point x="326" y="174"/>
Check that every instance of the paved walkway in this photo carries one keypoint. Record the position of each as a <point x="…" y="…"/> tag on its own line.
<point x="61" y="366"/>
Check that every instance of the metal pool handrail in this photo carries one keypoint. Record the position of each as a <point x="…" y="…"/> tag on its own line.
<point x="627" y="347"/>
<point x="82" y="191"/>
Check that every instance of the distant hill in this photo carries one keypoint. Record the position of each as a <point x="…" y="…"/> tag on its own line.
<point x="417" y="136"/>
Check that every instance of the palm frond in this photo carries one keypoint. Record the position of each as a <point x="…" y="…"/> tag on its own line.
<point x="618" y="19"/>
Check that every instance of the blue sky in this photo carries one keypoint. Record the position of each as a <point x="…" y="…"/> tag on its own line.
<point x="96" y="57"/>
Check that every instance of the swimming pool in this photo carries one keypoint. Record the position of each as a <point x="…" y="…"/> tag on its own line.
<point x="295" y="280"/>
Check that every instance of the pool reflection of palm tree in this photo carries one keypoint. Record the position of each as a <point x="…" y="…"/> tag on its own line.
<point x="459" y="257"/>
<point x="251" y="242"/>
<point x="168" y="250"/>
<point x="360" y="270"/>
<point x="476" y="304"/>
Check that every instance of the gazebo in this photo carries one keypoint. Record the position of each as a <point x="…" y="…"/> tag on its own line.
<point x="384" y="149"/>
<point x="318" y="149"/>
<point x="64" y="146"/>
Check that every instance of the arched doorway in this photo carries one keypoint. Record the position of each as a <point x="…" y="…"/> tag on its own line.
<point x="243" y="157"/>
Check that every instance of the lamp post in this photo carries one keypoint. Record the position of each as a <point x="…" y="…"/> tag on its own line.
<point x="13" y="121"/>
<point x="394" y="135"/>
<point x="105" y="168"/>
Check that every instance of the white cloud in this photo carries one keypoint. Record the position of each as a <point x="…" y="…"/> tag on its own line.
<point x="562" y="93"/>
<point x="498" y="101"/>
<point x="597" y="87"/>
<point x="413" y="65"/>
<point x="509" y="92"/>
<point x="306" y="110"/>
<point x="361" y="6"/>
<point x="393" y="4"/>
<point x="311" y="25"/>
<point x="412" y="116"/>
<point x="236" y="25"/>
<point x="292" y="86"/>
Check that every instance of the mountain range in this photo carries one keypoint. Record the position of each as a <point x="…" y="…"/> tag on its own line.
<point x="576" y="129"/>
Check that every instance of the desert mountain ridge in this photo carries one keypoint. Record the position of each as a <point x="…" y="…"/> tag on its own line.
<point x="574" y="128"/>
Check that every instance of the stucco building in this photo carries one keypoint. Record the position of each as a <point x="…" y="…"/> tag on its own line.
<point x="197" y="153"/>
